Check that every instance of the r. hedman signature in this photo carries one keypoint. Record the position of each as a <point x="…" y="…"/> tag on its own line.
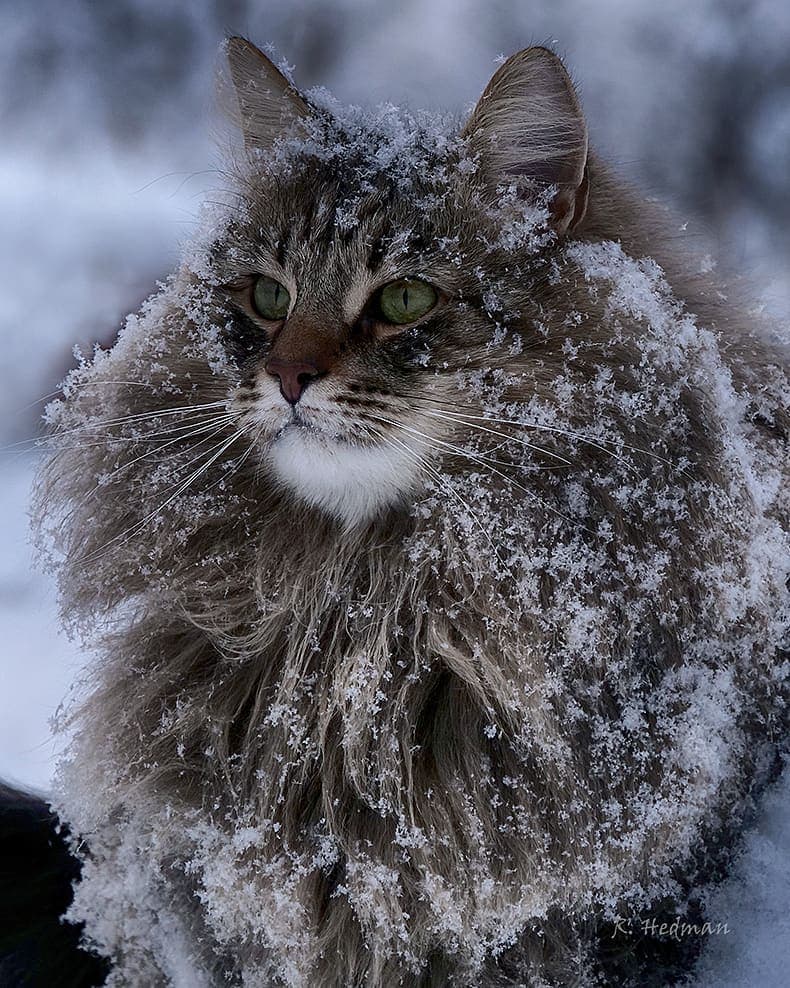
<point x="676" y="930"/>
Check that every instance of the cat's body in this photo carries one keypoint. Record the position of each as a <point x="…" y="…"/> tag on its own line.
<point x="457" y="636"/>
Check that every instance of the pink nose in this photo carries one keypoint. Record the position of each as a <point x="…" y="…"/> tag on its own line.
<point x="294" y="377"/>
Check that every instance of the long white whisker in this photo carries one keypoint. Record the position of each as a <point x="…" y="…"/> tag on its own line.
<point x="130" y="533"/>
<point x="478" y="457"/>
<point x="432" y="440"/>
<point x="501" y="435"/>
<point x="595" y="441"/>
<point x="149" y="435"/>
<point x="82" y="384"/>
<point x="213" y="427"/>
<point x="237" y="465"/>
<point x="461" y="417"/>
<point x="447" y="487"/>
<point x="87" y="427"/>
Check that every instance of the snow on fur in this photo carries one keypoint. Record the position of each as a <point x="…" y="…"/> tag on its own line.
<point x="532" y="688"/>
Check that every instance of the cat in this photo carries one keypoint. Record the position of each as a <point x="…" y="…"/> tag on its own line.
<point x="430" y="528"/>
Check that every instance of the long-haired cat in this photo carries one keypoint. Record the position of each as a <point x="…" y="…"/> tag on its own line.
<point x="429" y="526"/>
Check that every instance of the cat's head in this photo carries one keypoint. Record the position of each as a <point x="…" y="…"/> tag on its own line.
<point x="377" y="263"/>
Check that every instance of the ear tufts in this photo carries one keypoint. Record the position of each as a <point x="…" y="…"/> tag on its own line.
<point x="266" y="104"/>
<point x="528" y="126"/>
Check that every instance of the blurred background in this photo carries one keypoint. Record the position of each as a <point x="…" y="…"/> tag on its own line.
<point x="106" y="151"/>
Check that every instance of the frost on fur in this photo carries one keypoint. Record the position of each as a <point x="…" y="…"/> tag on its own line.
<point x="347" y="738"/>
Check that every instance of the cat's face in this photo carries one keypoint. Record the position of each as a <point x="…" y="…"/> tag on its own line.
<point x="365" y="276"/>
<point x="339" y="331"/>
<point x="349" y="338"/>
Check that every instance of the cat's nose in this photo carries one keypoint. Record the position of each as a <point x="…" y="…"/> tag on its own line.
<point x="293" y="376"/>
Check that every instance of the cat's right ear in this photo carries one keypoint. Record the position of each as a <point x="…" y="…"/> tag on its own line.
<point x="528" y="128"/>
<point x="264" y="103"/>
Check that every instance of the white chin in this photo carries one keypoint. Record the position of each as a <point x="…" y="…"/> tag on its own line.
<point x="351" y="483"/>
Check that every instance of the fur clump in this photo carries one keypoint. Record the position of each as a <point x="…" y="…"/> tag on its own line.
<point x="450" y="733"/>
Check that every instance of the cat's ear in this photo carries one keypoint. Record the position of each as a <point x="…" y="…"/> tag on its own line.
<point x="265" y="104"/>
<point x="528" y="127"/>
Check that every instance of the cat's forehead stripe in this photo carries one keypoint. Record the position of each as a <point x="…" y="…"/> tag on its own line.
<point x="376" y="254"/>
<point x="282" y="247"/>
<point x="357" y="295"/>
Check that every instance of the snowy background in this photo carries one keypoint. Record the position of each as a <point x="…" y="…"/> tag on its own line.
<point x="105" y="112"/>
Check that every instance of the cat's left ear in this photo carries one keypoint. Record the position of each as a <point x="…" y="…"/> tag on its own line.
<point x="528" y="125"/>
<point x="266" y="103"/>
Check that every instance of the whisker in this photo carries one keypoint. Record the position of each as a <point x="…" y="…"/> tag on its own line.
<point x="483" y="456"/>
<point x="82" y="384"/>
<point x="447" y="487"/>
<point x="209" y="427"/>
<point x="85" y="427"/>
<point x="457" y="418"/>
<point x="502" y="435"/>
<point x="432" y="440"/>
<point x="596" y="441"/>
<point x="152" y="434"/>
<point x="581" y="437"/>
<point x="237" y="465"/>
<point x="108" y="439"/>
<point x="129" y="534"/>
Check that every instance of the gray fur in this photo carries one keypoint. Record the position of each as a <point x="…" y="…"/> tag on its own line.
<point x="436" y="738"/>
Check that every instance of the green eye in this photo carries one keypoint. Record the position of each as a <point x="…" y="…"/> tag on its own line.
<point x="270" y="298"/>
<point x="407" y="300"/>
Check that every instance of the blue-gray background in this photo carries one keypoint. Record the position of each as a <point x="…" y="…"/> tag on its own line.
<point x="106" y="150"/>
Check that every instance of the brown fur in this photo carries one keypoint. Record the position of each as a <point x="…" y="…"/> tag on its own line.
<point x="436" y="742"/>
